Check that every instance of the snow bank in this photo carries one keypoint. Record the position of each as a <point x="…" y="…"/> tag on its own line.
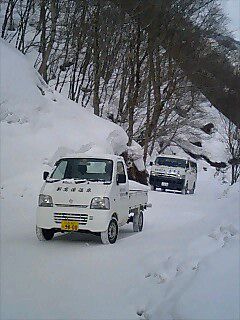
<point x="39" y="125"/>
<point x="214" y="292"/>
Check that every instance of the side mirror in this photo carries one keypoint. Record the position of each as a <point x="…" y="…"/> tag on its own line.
<point x="45" y="175"/>
<point x="151" y="163"/>
<point x="121" y="178"/>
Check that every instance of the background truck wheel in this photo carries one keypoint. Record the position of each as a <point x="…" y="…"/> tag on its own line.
<point x="153" y="188"/>
<point x="185" y="189"/>
<point x="110" y="235"/>
<point x="193" y="189"/>
<point x="44" y="234"/>
<point x="138" y="221"/>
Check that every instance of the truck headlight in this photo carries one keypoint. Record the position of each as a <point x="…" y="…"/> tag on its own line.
<point x="45" y="201"/>
<point x="153" y="173"/>
<point x="100" y="203"/>
<point x="181" y="176"/>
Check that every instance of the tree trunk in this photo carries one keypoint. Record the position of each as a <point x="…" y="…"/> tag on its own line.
<point x="8" y="17"/>
<point x="147" y="125"/>
<point x="46" y="48"/>
<point x="96" y="63"/>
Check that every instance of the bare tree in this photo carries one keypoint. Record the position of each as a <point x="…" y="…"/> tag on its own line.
<point x="231" y="138"/>
<point x="46" y="44"/>
<point x="8" y="22"/>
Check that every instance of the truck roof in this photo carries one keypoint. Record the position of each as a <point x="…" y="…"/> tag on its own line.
<point x="94" y="156"/>
<point x="175" y="157"/>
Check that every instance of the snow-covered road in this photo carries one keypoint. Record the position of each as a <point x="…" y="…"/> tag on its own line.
<point x="184" y="265"/>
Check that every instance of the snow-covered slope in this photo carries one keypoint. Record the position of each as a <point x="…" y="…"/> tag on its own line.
<point x="42" y="123"/>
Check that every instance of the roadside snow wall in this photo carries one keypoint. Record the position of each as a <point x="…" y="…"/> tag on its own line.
<point x="39" y="125"/>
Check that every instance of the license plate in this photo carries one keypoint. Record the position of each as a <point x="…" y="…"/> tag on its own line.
<point x="164" y="184"/>
<point x="69" y="225"/>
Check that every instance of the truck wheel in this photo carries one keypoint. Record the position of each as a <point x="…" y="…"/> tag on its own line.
<point x="138" y="221"/>
<point x="110" y="235"/>
<point x="44" y="234"/>
<point x="185" y="189"/>
<point x="193" y="189"/>
<point x="153" y="188"/>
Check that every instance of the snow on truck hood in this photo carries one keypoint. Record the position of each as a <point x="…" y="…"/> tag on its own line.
<point x="72" y="193"/>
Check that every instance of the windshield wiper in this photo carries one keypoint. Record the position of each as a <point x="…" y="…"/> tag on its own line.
<point x="53" y="180"/>
<point x="100" y="180"/>
<point x="80" y="180"/>
<point x="67" y="180"/>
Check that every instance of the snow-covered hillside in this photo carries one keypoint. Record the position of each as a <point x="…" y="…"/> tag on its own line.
<point x="39" y="125"/>
<point x="184" y="265"/>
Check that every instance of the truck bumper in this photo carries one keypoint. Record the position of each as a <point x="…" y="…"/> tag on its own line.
<point x="88" y="219"/>
<point x="167" y="182"/>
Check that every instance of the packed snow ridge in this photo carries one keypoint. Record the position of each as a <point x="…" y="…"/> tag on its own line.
<point x="57" y="126"/>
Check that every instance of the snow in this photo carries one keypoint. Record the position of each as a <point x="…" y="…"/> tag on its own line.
<point x="183" y="265"/>
<point x="56" y="125"/>
<point x="136" y="154"/>
<point x="133" y="185"/>
<point x="204" y="300"/>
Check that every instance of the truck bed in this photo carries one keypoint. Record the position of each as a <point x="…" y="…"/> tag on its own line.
<point x="137" y="198"/>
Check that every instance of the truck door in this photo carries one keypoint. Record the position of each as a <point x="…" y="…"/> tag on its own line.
<point x="192" y="175"/>
<point x="194" y="170"/>
<point x="188" y="175"/>
<point x="122" y="193"/>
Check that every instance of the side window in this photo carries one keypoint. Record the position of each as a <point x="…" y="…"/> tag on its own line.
<point x="59" y="172"/>
<point x="120" y="168"/>
<point x="121" y="175"/>
<point x="190" y="165"/>
<point x="194" y="165"/>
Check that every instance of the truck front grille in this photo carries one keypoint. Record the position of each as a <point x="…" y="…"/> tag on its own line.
<point x="71" y="205"/>
<point x="81" y="218"/>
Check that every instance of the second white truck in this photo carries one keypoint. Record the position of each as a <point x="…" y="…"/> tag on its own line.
<point x="174" y="173"/>
<point x="89" y="194"/>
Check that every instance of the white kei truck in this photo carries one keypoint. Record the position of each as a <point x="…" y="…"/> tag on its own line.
<point x="174" y="173"/>
<point x="89" y="194"/>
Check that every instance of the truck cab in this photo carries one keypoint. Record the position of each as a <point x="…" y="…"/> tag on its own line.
<point x="88" y="194"/>
<point x="174" y="173"/>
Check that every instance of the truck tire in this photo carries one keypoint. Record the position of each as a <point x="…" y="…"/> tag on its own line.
<point x="193" y="189"/>
<point x="153" y="188"/>
<point x="185" y="189"/>
<point x="44" y="234"/>
<point x="110" y="235"/>
<point x="138" y="221"/>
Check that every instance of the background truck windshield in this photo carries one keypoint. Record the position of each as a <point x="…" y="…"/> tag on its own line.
<point x="89" y="169"/>
<point x="171" y="162"/>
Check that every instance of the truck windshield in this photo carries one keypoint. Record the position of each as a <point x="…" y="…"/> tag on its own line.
<point x="171" y="162"/>
<point x="83" y="169"/>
